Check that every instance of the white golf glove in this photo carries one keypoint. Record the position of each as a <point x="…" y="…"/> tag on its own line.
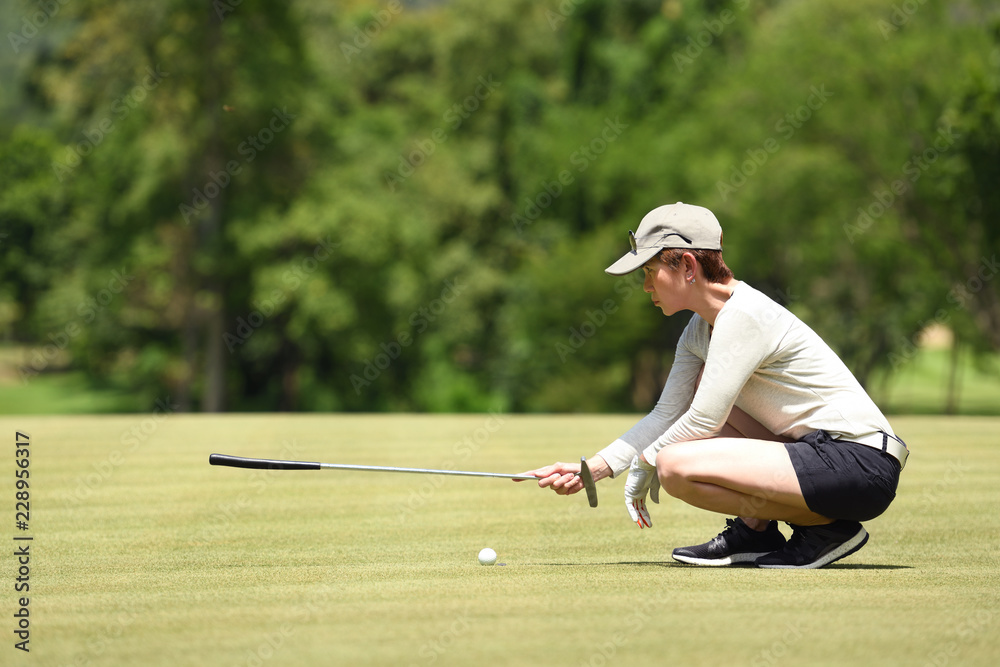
<point x="642" y="479"/>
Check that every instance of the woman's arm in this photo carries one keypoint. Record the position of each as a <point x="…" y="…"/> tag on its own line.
<point x="674" y="401"/>
<point x="740" y="344"/>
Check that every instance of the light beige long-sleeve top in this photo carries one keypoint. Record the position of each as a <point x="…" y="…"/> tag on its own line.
<point x="763" y="359"/>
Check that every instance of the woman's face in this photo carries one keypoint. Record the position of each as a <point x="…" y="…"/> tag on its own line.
<point x="665" y="285"/>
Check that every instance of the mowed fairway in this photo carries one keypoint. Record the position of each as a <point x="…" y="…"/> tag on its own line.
<point x="143" y="554"/>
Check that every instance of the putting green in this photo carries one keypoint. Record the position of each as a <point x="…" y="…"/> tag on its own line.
<point x="145" y="554"/>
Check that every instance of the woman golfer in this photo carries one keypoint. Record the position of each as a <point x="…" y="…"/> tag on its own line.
<point x="759" y="419"/>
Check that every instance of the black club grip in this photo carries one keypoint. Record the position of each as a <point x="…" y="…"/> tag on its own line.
<point x="259" y="464"/>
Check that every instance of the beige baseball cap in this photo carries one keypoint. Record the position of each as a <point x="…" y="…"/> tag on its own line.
<point x="677" y="225"/>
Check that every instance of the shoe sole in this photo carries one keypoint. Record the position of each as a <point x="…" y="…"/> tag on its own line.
<point x="845" y="549"/>
<point x="735" y="559"/>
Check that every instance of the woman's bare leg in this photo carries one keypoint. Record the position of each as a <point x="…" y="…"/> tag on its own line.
<point x="753" y="479"/>
<point x="745" y="471"/>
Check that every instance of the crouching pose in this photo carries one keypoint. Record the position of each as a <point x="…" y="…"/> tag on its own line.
<point x="759" y="419"/>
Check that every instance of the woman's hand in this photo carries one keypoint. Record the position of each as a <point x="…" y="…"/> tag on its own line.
<point x="641" y="480"/>
<point x="564" y="478"/>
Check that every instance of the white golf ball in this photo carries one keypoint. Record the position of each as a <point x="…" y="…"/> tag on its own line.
<point x="487" y="556"/>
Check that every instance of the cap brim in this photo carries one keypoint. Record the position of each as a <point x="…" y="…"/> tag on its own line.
<point x="631" y="261"/>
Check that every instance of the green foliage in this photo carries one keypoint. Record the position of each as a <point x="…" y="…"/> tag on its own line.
<point x="371" y="206"/>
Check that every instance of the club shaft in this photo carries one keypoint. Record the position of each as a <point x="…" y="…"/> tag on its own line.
<point x="275" y="464"/>
<point x="425" y="471"/>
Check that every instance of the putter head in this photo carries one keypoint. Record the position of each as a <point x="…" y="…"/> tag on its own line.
<point x="588" y="482"/>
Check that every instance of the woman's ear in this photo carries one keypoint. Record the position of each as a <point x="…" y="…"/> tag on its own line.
<point x="690" y="266"/>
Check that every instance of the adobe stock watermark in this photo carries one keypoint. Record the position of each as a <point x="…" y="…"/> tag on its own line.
<point x="33" y="23"/>
<point x="703" y="39"/>
<point x="595" y="319"/>
<point x="581" y="158"/>
<point x="272" y="641"/>
<point x="258" y="481"/>
<point x="973" y="625"/>
<point x="120" y="109"/>
<point x="431" y="650"/>
<point x="958" y="296"/>
<point x="776" y="653"/>
<point x="724" y="360"/>
<point x="750" y="506"/>
<point x="113" y="625"/>
<point x="372" y="29"/>
<point x="130" y="441"/>
<point x="786" y="127"/>
<point x="564" y="10"/>
<point x="88" y="310"/>
<point x="603" y="652"/>
<point x="264" y="307"/>
<point x="225" y="7"/>
<point x="250" y="147"/>
<point x="885" y="196"/>
<point x="901" y="14"/>
<point x="419" y="321"/>
<point x="952" y="477"/>
<point x="453" y="118"/>
<point x="461" y="451"/>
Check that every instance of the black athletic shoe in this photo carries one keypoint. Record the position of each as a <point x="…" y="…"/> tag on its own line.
<point x="815" y="546"/>
<point x="738" y="543"/>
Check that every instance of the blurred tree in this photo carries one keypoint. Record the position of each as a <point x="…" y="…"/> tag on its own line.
<point x="179" y="118"/>
<point x="819" y="205"/>
<point x="956" y="213"/>
<point x="384" y="206"/>
<point x="30" y="213"/>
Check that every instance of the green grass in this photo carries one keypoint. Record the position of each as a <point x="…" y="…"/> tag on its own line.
<point x="144" y="554"/>
<point x="55" y="391"/>
<point x="920" y="385"/>
<point x="68" y="393"/>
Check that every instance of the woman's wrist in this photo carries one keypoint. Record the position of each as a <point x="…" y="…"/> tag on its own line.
<point x="599" y="468"/>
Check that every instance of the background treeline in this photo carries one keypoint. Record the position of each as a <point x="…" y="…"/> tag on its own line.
<point x="264" y="205"/>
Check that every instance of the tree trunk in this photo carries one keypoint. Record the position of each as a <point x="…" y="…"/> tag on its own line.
<point x="213" y="396"/>
<point x="954" y="378"/>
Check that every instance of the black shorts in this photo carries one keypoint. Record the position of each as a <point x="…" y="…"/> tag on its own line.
<point x="843" y="480"/>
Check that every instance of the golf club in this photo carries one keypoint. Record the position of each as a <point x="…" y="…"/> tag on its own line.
<point x="275" y="464"/>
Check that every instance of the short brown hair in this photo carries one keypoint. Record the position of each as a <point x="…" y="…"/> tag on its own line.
<point x="711" y="261"/>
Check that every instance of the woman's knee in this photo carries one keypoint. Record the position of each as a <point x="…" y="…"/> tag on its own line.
<point x="670" y="469"/>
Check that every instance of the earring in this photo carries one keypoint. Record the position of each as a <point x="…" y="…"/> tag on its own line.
<point x="691" y="282"/>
